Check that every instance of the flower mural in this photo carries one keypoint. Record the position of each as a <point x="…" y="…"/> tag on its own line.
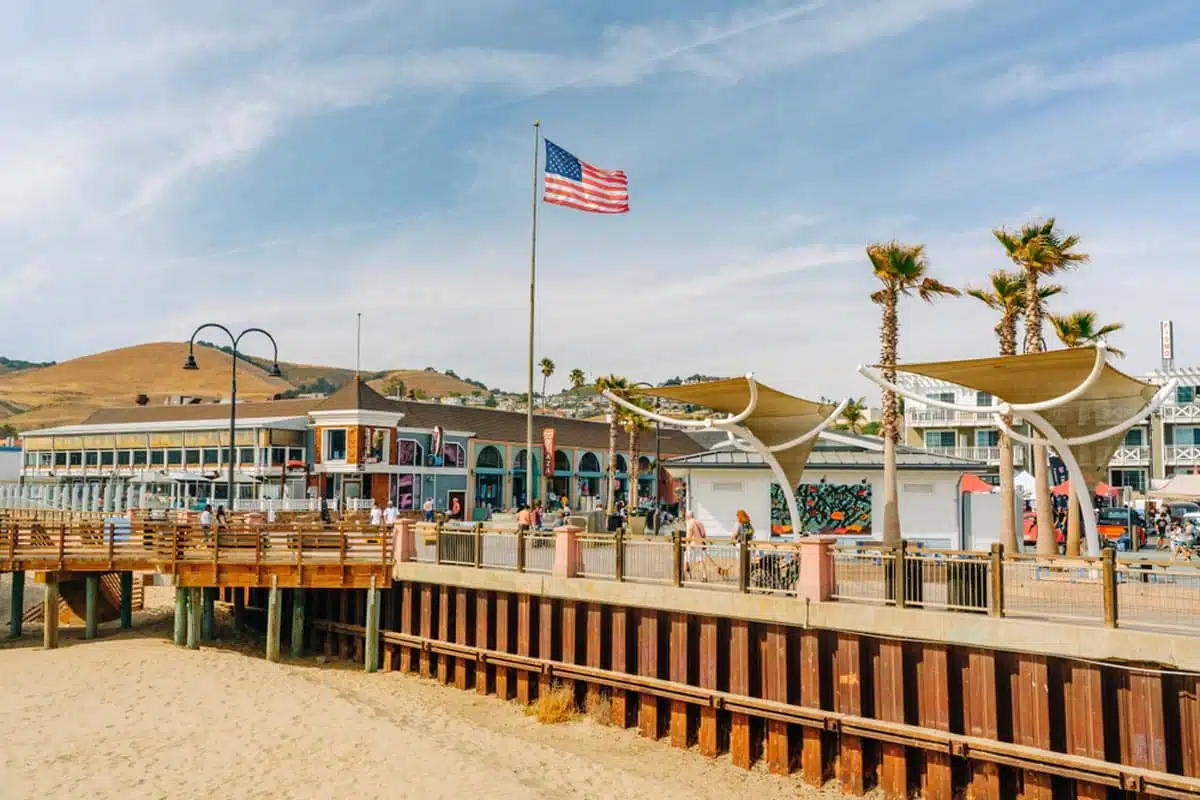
<point x="829" y="508"/>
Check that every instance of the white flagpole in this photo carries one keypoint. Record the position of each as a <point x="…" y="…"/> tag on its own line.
<point x="529" y="461"/>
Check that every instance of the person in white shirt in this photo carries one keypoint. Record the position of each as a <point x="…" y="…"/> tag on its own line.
<point x="390" y="514"/>
<point x="376" y="515"/>
<point x="428" y="509"/>
<point x="206" y="518"/>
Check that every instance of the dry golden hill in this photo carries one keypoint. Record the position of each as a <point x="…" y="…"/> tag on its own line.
<point x="67" y="392"/>
<point x="432" y="384"/>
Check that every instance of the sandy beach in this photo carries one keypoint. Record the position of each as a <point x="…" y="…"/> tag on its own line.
<point x="131" y="715"/>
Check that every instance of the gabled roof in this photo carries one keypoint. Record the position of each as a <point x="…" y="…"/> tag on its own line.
<point x="358" y="396"/>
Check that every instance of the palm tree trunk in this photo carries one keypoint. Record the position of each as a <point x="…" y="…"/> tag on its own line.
<point x="1008" y="496"/>
<point x="631" y="493"/>
<point x="544" y="379"/>
<point x="612" y="460"/>
<point x="891" y="497"/>
<point x="1046" y="543"/>
<point x="1073" y="524"/>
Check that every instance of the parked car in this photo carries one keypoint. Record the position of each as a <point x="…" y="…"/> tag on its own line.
<point x="1114" y="525"/>
<point x="1178" y="509"/>
<point x="1029" y="535"/>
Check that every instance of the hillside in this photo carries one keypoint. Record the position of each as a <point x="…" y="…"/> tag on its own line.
<point x="67" y="392"/>
<point x="427" y="382"/>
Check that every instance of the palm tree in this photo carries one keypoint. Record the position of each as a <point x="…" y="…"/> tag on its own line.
<point x="634" y="424"/>
<point x="1039" y="250"/>
<point x="1080" y="330"/>
<point x="619" y="386"/>
<point x="1007" y="295"/>
<point x="547" y="367"/>
<point x="901" y="268"/>
<point x="577" y="378"/>
<point x="855" y="415"/>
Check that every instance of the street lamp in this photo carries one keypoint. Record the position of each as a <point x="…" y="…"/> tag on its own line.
<point x="190" y="364"/>
<point x="657" y="456"/>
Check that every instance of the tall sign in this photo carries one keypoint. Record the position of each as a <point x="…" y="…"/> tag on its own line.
<point x="548" y="452"/>
<point x="1167" y="338"/>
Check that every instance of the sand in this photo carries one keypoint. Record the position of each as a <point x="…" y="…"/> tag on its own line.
<point x="131" y="715"/>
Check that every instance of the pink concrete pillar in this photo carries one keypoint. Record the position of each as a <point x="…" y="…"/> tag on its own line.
<point x="816" y="567"/>
<point x="404" y="545"/>
<point x="568" y="557"/>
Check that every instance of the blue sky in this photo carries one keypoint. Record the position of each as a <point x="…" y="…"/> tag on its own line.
<point x="323" y="158"/>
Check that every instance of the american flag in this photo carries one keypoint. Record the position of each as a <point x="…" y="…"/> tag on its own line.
<point x="577" y="184"/>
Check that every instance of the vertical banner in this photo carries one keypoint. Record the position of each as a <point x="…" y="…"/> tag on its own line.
<point x="435" y="445"/>
<point x="548" y="452"/>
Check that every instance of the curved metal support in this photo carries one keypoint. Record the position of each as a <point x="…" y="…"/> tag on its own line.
<point x="1055" y="440"/>
<point x="876" y="377"/>
<point x="815" y="432"/>
<point x="734" y="419"/>
<point x="1054" y="402"/>
<point x="789" y="492"/>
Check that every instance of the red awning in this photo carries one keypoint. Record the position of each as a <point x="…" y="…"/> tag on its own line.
<point x="1102" y="489"/>
<point x="975" y="485"/>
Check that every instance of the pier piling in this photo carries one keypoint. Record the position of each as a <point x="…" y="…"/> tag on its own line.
<point x="297" y="640"/>
<point x="17" y="607"/>
<point x="50" y="614"/>
<point x="193" y="625"/>
<point x="180" y="616"/>
<point x="207" y="614"/>
<point x="371" y="650"/>
<point x="126" y="599"/>
<point x="91" y="606"/>
<point x="273" y="620"/>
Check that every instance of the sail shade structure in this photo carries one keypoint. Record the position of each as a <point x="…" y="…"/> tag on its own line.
<point x="777" y="417"/>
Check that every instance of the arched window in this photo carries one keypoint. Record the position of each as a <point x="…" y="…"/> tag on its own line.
<point x="453" y="455"/>
<point x="409" y="453"/>
<point x="622" y="465"/>
<point x="589" y="463"/>
<point x="643" y="464"/>
<point x="519" y="462"/>
<point x="562" y="462"/>
<point x="489" y="458"/>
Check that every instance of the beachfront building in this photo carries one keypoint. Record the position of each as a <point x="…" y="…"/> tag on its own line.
<point x="955" y="434"/>
<point x="840" y="493"/>
<point x="352" y="447"/>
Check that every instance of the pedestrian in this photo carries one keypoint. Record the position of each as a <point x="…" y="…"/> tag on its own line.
<point x="428" y="506"/>
<point x="389" y="515"/>
<point x="376" y="518"/>
<point x="524" y="518"/>
<point x="745" y="530"/>
<point x="696" y="534"/>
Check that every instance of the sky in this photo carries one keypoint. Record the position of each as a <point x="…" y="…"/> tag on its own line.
<point x="291" y="165"/>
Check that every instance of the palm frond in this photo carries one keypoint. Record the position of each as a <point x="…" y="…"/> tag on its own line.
<point x="931" y="288"/>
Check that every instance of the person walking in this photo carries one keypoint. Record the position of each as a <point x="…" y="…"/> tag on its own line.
<point x="745" y="530"/>
<point x="390" y="514"/>
<point x="696" y="534"/>
<point x="428" y="506"/>
<point x="376" y="517"/>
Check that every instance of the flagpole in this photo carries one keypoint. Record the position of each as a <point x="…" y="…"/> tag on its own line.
<point x="529" y="465"/>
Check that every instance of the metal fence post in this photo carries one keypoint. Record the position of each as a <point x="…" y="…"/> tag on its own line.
<point x="996" y="607"/>
<point x="901" y="574"/>
<point x="619" y="556"/>
<point x="743" y="565"/>
<point x="1108" y="560"/>
<point x="677" y="560"/>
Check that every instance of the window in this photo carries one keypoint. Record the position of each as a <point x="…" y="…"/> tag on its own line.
<point x="728" y="486"/>
<point x="174" y="457"/>
<point x="76" y="458"/>
<point x="191" y="457"/>
<point x="562" y="462"/>
<point x="409" y="453"/>
<point x="279" y="456"/>
<point x="489" y="458"/>
<point x="31" y="459"/>
<point x="377" y="447"/>
<point x="940" y="439"/>
<point x="224" y="455"/>
<point x="621" y="464"/>
<point x="1134" y="437"/>
<point x="297" y="454"/>
<point x="1133" y="478"/>
<point x="124" y="458"/>
<point x="589" y="463"/>
<point x="1187" y="436"/>
<point x="987" y="438"/>
<point x="91" y="458"/>
<point x="245" y="455"/>
<point x="60" y="458"/>
<point x="944" y="397"/>
<point x="139" y="458"/>
<point x="983" y="399"/>
<point x="107" y="458"/>
<point x="408" y="492"/>
<point x="158" y="457"/>
<point x="453" y="455"/>
<point x="44" y="459"/>
<point x="1185" y="394"/>
<point x="335" y="445"/>
<point x="210" y="455"/>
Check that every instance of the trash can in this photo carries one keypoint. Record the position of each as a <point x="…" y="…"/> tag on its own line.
<point x="967" y="584"/>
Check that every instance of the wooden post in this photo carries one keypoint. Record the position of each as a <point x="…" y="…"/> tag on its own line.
<point x="677" y="559"/>
<point x="520" y="550"/>
<point x="743" y="565"/>
<point x="437" y="543"/>
<point x="180" y="616"/>
<point x="708" y="737"/>
<point x="569" y="636"/>
<point x="478" y="550"/>
<point x="594" y="648"/>
<point x="848" y="699"/>
<point x="126" y="599"/>
<point x="545" y="638"/>
<point x="740" y="750"/>
<point x="620" y="700"/>
<point x="679" y="663"/>
<point x="91" y="606"/>
<point x="1185" y="691"/>
<point x="996" y="607"/>
<point x="424" y="659"/>
<point x="50" y="612"/>
<point x="1141" y="723"/>
<point x="647" y="662"/>
<point x="775" y="687"/>
<point x="980" y="715"/>
<point x="273" y="619"/>
<point x="407" y="613"/>
<point x="297" y="641"/>
<point x="445" y="664"/>
<point x="16" y="609"/>
<point x="193" y="629"/>
<point x="207" y="617"/>
<point x="933" y="711"/>
<point x="483" y="623"/>
<point x="1108" y="560"/>
<point x="371" y="646"/>
<point x="619" y="556"/>
<point x="901" y="571"/>
<point x="524" y="646"/>
<point x="1083" y="709"/>
<point x="1031" y="718"/>
<point x="503" y="643"/>
<point x="343" y="645"/>
<point x="889" y="698"/>
<point x="462" y="607"/>
<point x="360" y="618"/>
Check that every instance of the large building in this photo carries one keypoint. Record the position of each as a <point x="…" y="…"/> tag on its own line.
<point x="1166" y="445"/>
<point x="350" y="446"/>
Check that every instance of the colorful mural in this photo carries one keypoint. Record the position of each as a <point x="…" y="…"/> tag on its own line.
<point x="830" y="508"/>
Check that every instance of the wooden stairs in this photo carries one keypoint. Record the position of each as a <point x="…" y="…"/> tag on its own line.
<point x="72" y="601"/>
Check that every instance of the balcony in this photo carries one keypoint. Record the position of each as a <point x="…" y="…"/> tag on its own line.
<point x="1185" y="454"/>
<point x="923" y="417"/>
<point x="1172" y="411"/>
<point x="988" y="455"/>
<point x="1131" y="456"/>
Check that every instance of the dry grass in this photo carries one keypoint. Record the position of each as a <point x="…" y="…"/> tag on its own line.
<point x="598" y="708"/>
<point x="433" y="384"/>
<point x="554" y="706"/>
